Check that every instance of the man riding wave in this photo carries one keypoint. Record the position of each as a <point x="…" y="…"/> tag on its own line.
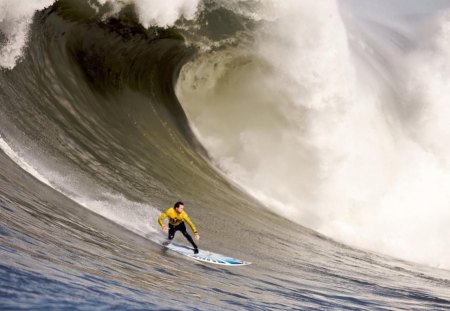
<point x="177" y="216"/>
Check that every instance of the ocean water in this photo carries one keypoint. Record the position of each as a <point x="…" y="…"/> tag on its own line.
<point x="306" y="137"/>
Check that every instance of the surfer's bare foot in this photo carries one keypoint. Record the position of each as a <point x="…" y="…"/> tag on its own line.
<point x="195" y="250"/>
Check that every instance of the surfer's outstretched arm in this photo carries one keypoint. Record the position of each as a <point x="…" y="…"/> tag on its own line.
<point x="191" y="224"/>
<point x="161" y="222"/>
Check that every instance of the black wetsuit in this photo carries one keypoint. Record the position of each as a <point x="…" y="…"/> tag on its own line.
<point x="181" y="227"/>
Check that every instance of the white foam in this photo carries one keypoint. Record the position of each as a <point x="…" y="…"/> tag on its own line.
<point x="15" y="18"/>
<point x="156" y="12"/>
<point x="321" y="137"/>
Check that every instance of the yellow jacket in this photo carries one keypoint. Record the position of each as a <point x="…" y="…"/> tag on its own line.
<point x="175" y="219"/>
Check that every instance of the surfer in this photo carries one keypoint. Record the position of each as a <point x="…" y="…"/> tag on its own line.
<point x="177" y="217"/>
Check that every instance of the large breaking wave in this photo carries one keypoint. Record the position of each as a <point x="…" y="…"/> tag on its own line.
<point x="332" y="114"/>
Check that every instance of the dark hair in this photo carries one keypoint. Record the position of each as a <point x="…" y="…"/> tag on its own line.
<point x="178" y="204"/>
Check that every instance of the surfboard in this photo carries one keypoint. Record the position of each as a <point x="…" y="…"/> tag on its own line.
<point x="206" y="256"/>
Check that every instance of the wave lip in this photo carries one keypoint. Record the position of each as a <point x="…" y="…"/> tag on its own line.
<point x="15" y="19"/>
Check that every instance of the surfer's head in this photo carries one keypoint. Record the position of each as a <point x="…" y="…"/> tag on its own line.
<point x="179" y="207"/>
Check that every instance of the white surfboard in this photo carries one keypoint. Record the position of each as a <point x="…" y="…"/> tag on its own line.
<point x="206" y="256"/>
